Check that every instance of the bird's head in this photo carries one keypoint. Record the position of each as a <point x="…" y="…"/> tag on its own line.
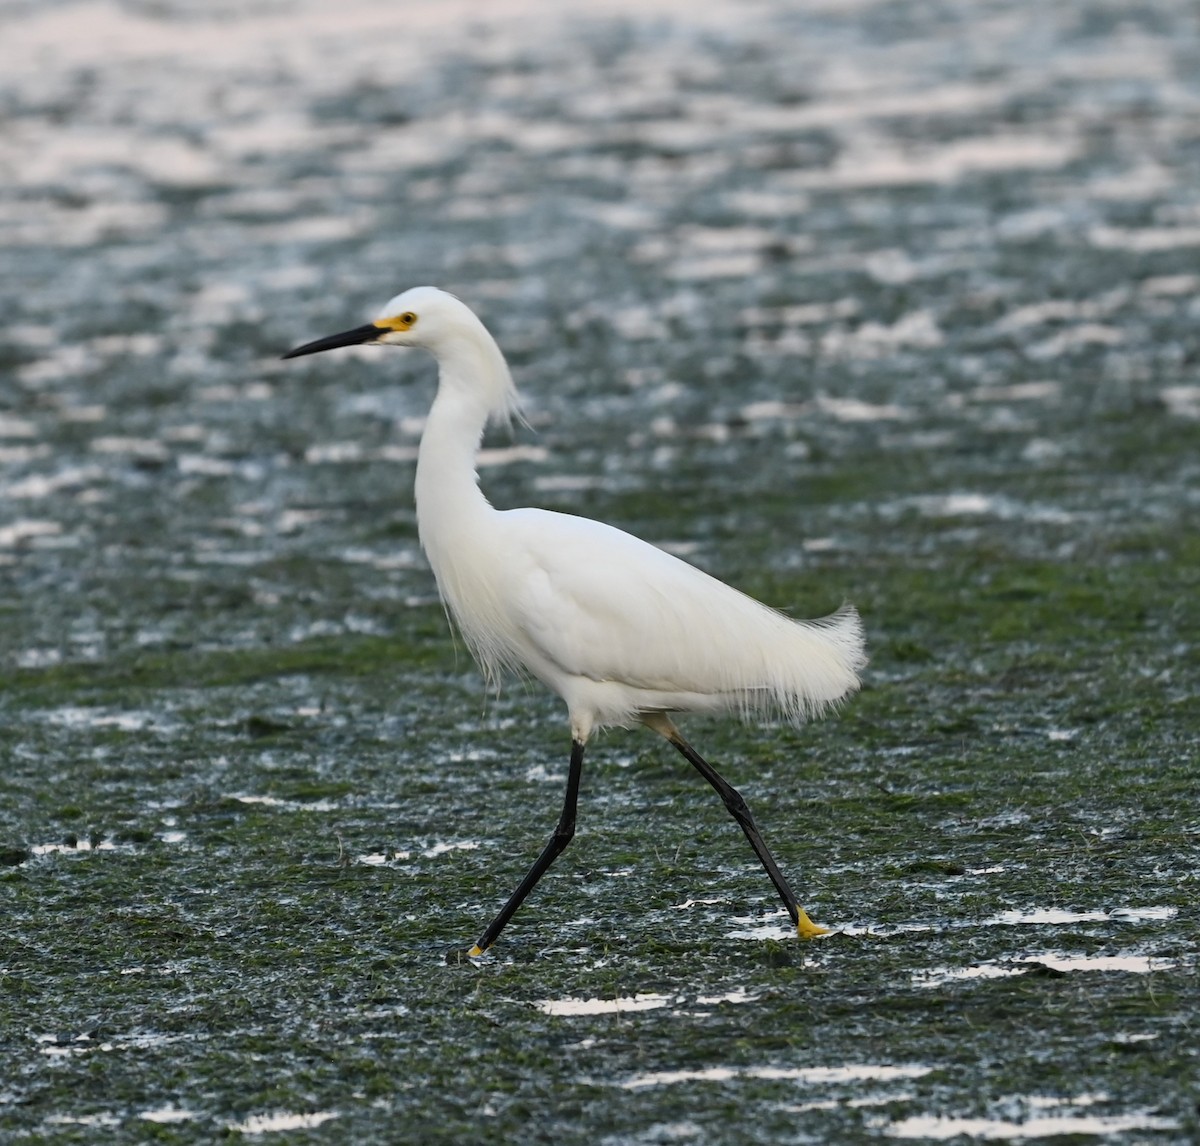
<point x="422" y="316"/>
<point x="438" y="322"/>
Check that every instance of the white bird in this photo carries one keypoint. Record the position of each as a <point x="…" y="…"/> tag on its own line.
<point x="621" y="630"/>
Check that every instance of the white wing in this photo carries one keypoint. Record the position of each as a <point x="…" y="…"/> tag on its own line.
<point x="596" y="602"/>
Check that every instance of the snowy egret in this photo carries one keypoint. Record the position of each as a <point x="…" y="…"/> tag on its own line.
<point x="621" y="630"/>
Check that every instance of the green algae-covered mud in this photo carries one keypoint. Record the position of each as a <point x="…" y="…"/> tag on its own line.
<point x="885" y="302"/>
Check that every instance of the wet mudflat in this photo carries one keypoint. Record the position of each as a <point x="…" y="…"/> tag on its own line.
<point x="894" y="303"/>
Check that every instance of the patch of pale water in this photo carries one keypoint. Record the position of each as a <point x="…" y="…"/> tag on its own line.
<point x="79" y="847"/>
<point x="1015" y="918"/>
<point x="648" y="1001"/>
<point x="441" y="849"/>
<point x="395" y="557"/>
<point x="966" y="504"/>
<point x="1058" y="916"/>
<point x="1182" y="401"/>
<point x="76" y="716"/>
<point x="21" y="455"/>
<point x="688" y="904"/>
<point x="916" y="330"/>
<point x="856" y="410"/>
<point x="812" y="1076"/>
<point x="11" y="427"/>
<point x="1044" y="1118"/>
<point x="148" y="451"/>
<point x="1055" y="960"/>
<point x="433" y="851"/>
<point x="623" y="1005"/>
<point x="1040" y="1117"/>
<point x="170" y="967"/>
<point x="1018" y="392"/>
<point x="282" y="805"/>
<point x="281" y="1122"/>
<point x="167" y="1115"/>
<point x="28" y="532"/>
<point x="34" y="658"/>
<point x="102" y="1120"/>
<point x="56" y="1047"/>
<point x="887" y="166"/>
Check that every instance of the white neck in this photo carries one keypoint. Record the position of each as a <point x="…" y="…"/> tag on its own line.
<point x="456" y="523"/>
<point x="447" y="486"/>
<point x="473" y="385"/>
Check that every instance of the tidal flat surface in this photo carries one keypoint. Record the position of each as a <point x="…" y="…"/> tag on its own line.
<point x="888" y="302"/>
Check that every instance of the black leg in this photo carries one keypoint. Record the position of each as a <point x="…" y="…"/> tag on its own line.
<point x="558" y="842"/>
<point x="740" y="811"/>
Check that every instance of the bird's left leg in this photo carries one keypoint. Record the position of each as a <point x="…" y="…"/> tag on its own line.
<point x="563" y="835"/>
<point x="740" y="811"/>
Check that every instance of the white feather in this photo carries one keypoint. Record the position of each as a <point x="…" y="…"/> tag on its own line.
<point x="618" y="628"/>
<point x="622" y="631"/>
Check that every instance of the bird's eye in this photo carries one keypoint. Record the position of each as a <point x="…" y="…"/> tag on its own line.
<point x="408" y="318"/>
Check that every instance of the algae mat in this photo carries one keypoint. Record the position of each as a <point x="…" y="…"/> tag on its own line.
<point x="894" y="303"/>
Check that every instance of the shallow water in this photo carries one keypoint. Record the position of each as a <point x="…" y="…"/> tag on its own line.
<point x="893" y="303"/>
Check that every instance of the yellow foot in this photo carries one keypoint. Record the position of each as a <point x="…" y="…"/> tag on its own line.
<point x="476" y="951"/>
<point x="807" y="929"/>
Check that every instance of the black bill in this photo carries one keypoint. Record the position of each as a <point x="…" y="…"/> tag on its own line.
<point x="355" y="337"/>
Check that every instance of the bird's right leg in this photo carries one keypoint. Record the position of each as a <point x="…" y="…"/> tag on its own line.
<point x="740" y="811"/>
<point x="558" y="842"/>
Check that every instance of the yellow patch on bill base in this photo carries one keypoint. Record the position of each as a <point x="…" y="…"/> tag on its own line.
<point x="396" y="321"/>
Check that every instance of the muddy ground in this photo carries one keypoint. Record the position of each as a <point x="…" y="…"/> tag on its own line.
<point x="886" y="302"/>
